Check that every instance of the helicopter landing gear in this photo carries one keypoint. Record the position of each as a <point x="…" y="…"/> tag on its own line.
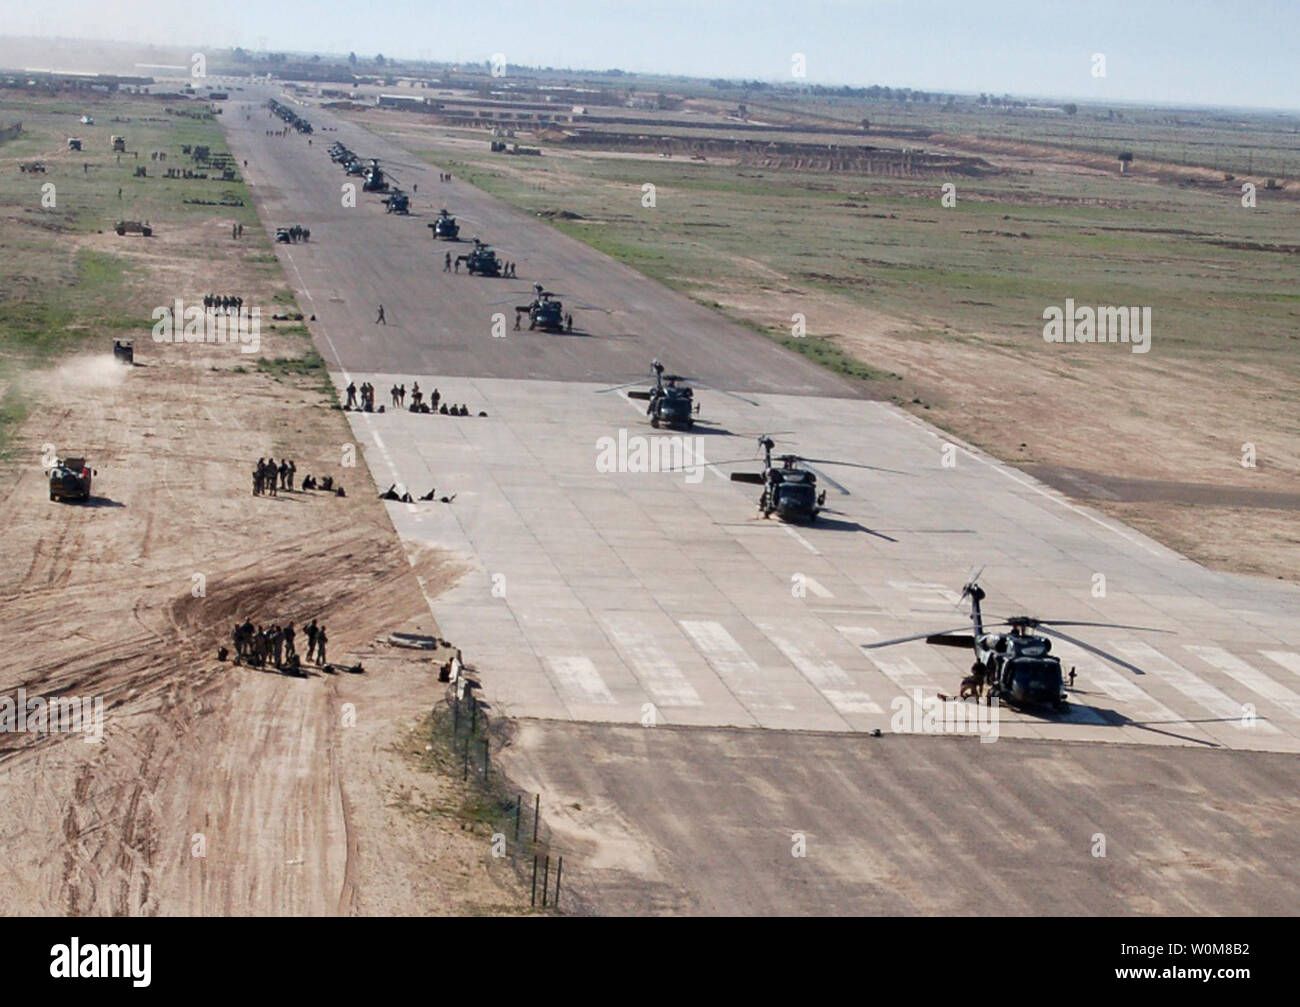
<point x="654" y="422"/>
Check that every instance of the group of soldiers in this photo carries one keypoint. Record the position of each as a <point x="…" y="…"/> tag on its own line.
<point x="223" y="303"/>
<point x="262" y="645"/>
<point x="297" y="233"/>
<point x="267" y="472"/>
<point x="444" y="176"/>
<point x="398" y="393"/>
<point x="237" y="230"/>
<point x="326" y="485"/>
<point x="367" y="397"/>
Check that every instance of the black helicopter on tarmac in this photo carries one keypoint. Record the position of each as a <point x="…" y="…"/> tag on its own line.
<point x="1016" y="666"/>
<point x="445" y="226"/>
<point x="671" y="401"/>
<point x="790" y="489"/>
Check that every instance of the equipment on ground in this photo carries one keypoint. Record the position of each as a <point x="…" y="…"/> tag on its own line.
<point x="1015" y="667"/>
<point x="124" y="350"/>
<point x="74" y="143"/>
<point x="70" y="479"/>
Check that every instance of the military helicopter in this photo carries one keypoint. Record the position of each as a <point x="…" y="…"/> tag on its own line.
<point x="1015" y="667"/>
<point x="671" y="402"/>
<point x="375" y="180"/>
<point x="790" y="492"/>
<point x="397" y="201"/>
<point x="445" y="226"/>
<point x="545" y="312"/>
<point x="481" y="260"/>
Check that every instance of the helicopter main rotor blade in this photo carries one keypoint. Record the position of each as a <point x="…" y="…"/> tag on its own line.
<point x="965" y="640"/>
<point x="1105" y="655"/>
<point x="642" y="396"/>
<point x="715" y="388"/>
<point x="748" y="477"/>
<point x="619" y="388"/>
<point x="1034" y="621"/>
<point x="1107" y="625"/>
<point x="917" y="636"/>
<point x="853" y="465"/>
<point x="823" y="475"/>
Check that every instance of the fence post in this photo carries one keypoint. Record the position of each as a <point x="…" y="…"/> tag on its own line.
<point x="534" y="899"/>
<point x="537" y="814"/>
<point x="455" y="712"/>
<point x="546" y="874"/>
<point x="559" y="869"/>
<point x="519" y="799"/>
<point x="473" y="714"/>
<point x="486" y="743"/>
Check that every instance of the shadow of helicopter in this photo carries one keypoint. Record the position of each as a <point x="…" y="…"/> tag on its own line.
<point x="834" y="524"/>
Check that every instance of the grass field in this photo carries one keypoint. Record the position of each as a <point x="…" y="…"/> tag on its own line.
<point x="67" y="281"/>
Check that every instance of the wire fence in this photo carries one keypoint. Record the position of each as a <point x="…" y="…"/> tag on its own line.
<point x="463" y="726"/>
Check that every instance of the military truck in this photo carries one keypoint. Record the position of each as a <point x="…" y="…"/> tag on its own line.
<point x="119" y="144"/>
<point x="70" y="479"/>
<point x="133" y="227"/>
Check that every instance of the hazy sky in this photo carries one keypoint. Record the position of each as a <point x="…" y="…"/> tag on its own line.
<point x="1243" y="53"/>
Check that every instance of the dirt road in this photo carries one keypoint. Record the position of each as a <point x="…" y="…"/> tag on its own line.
<point x="215" y="789"/>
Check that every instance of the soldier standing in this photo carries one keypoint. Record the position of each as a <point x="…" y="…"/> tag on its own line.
<point x="277" y="643"/>
<point x="284" y="475"/>
<point x="289" y="652"/>
<point x="401" y="394"/>
<point x="311" y="632"/>
<point x="446" y="263"/>
<point x="321" y="640"/>
<point x="292" y="469"/>
<point x="352" y="395"/>
<point x="381" y="319"/>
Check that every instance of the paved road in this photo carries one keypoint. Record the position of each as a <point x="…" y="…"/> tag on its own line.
<point x="625" y="597"/>
<point x="709" y="821"/>
<point x="441" y="323"/>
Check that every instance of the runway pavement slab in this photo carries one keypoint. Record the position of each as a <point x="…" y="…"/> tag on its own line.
<point x="615" y="595"/>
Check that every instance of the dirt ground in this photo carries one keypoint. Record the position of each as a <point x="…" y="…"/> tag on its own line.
<point x="216" y="789"/>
